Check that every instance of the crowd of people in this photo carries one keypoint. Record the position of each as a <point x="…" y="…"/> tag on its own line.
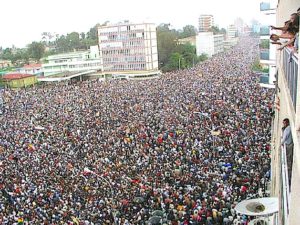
<point x="181" y="149"/>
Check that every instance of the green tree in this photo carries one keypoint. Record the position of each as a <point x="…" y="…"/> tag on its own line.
<point x="188" y="31"/>
<point x="188" y="52"/>
<point x="166" y="44"/>
<point x="264" y="44"/>
<point x="73" y="40"/>
<point x="202" y="57"/>
<point x="176" y="61"/>
<point x="93" y="32"/>
<point x="7" y="54"/>
<point x="36" y="50"/>
<point x="62" y="44"/>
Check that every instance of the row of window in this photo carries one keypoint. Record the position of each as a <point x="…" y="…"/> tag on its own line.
<point x="140" y="66"/>
<point x="105" y="33"/>
<point x="85" y="65"/>
<point x="125" y="59"/>
<point x="138" y="51"/>
<point x="124" y="36"/>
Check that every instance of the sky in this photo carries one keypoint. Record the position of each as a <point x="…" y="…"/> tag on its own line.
<point x="23" y="21"/>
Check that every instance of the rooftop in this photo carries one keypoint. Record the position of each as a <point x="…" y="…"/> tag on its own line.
<point x="14" y="76"/>
<point x="33" y="65"/>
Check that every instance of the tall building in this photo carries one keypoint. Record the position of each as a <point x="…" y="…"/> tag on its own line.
<point x="128" y="47"/>
<point x="239" y="24"/>
<point x="205" y="22"/>
<point x="232" y="31"/>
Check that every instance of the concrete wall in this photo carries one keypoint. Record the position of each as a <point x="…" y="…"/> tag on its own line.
<point x="205" y="43"/>
<point x="24" y="82"/>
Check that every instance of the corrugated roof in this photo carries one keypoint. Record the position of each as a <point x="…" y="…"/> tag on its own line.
<point x="14" y="76"/>
<point x="33" y="65"/>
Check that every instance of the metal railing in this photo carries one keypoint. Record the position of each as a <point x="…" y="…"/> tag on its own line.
<point x="285" y="187"/>
<point x="290" y="67"/>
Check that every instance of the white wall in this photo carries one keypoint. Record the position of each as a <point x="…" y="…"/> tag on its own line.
<point x="205" y="43"/>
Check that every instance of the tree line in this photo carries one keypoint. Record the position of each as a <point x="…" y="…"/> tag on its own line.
<point x="171" y="54"/>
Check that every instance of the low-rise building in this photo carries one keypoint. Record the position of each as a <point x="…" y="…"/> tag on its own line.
<point x="209" y="44"/>
<point x="79" y="61"/>
<point x="5" y="64"/>
<point x="34" y="69"/>
<point x="191" y="40"/>
<point x="19" y="80"/>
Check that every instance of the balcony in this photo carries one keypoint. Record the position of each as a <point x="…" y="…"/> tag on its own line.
<point x="264" y="54"/>
<point x="290" y="68"/>
<point x="264" y="31"/>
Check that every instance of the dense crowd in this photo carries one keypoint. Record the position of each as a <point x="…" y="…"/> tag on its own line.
<point x="187" y="147"/>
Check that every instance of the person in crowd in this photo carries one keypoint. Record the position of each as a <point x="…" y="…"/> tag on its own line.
<point x="188" y="146"/>
<point x="290" y="27"/>
<point x="287" y="141"/>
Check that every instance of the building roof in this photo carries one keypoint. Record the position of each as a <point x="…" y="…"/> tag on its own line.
<point x="33" y="65"/>
<point x="14" y="76"/>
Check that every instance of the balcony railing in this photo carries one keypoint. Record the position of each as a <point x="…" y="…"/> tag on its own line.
<point x="285" y="187"/>
<point x="290" y="67"/>
<point x="265" y="54"/>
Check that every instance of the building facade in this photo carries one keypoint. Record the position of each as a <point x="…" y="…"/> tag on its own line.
<point x="128" y="47"/>
<point x="5" y="64"/>
<point x="205" y="22"/>
<point x="34" y="69"/>
<point x="232" y="31"/>
<point x="218" y="43"/>
<point x="287" y="105"/>
<point x="191" y="40"/>
<point x="73" y="62"/>
<point x="209" y="44"/>
<point x="19" y="80"/>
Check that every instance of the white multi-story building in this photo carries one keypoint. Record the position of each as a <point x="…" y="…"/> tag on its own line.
<point x="205" y="22"/>
<point x="232" y="31"/>
<point x="128" y="48"/>
<point x="218" y="43"/>
<point x="209" y="44"/>
<point x="239" y="24"/>
<point x="73" y="62"/>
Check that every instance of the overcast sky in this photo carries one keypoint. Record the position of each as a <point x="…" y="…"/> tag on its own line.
<point x="23" y="21"/>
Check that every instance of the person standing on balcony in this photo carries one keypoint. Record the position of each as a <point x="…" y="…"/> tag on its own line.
<point x="287" y="140"/>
